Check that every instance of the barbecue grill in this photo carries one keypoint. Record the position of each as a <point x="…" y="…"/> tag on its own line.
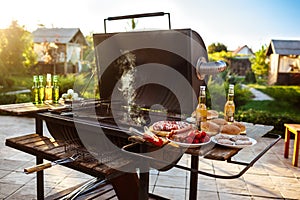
<point x="143" y="77"/>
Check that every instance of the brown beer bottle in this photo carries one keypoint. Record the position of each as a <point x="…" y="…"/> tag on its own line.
<point x="229" y="107"/>
<point x="201" y="110"/>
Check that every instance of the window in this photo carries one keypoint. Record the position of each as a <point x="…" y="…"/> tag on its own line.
<point x="289" y="64"/>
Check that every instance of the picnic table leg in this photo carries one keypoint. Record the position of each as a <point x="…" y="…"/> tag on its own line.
<point x="194" y="178"/>
<point x="39" y="160"/>
<point x="287" y="142"/>
<point x="296" y="149"/>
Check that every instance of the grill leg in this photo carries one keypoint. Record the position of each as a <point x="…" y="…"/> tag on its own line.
<point x="144" y="186"/>
<point x="39" y="160"/>
<point x="40" y="180"/>
<point x="194" y="178"/>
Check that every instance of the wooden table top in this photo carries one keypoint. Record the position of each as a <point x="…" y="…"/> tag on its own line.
<point x="28" y="108"/>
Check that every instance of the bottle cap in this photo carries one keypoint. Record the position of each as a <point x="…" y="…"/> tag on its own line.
<point x="55" y="78"/>
<point x="35" y="78"/>
<point x="48" y="77"/>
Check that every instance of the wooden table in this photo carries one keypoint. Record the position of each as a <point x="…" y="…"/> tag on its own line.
<point x="295" y="129"/>
<point x="28" y="108"/>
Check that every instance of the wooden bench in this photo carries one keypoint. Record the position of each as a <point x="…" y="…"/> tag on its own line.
<point x="50" y="149"/>
<point x="295" y="129"/>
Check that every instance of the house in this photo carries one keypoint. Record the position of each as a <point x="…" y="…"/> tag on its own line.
<point x="59" y="50"/>
<point x="240" y="63"/>
<point x="284" y="68"/>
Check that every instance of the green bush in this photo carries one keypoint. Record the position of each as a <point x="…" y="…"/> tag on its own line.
<point x="23" y="98"/>
<point x="219" y="93"/>
<point x="267" y="118"/>
<point x="250" y="77"/>
<point x="7" y="99"/>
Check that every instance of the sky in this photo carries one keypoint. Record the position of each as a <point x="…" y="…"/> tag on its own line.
<point x="231" y="22"/>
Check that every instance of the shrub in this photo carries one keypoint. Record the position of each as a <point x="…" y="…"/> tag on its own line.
<point x="267" y="118"/>
<point x="7" y="99"/>
<point x="250" y="77"/>
<point x="219" y="94"/>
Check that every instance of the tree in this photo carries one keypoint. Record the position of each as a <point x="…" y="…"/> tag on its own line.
<point x="16" y="49"/>
<point x="219" y="47"/>
<point x="259" y="64"/>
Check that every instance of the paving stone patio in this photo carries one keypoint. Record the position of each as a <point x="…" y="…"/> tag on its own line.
<point x="272" y="177"/>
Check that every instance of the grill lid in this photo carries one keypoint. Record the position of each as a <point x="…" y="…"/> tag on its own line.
<point x="150" y="68"/>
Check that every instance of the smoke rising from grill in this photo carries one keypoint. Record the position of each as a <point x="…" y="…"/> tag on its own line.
<point x="127" y="65"/>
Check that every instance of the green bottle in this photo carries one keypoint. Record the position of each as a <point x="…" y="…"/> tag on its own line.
<point x="41" y="89"/>
<point x="55" y="89"/>
<point x="35" y="91"/>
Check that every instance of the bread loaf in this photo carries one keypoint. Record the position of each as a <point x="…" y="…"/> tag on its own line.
<point x="240" y="125"/>
<point x="211" y="114"/>
<point x="219" y="121"/>
<point x="210" y="127"/>
<point x="230" y="129"/>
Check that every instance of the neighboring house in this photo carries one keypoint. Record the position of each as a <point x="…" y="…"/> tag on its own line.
<point x="240" y="63"/>
<point x="284" y="68"/>
<point x="59" y="50"/>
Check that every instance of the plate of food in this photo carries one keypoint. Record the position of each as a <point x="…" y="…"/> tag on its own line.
<point x="163" y="128"/>
<point x="190" y="139"/>
<point x="233" y="141"/>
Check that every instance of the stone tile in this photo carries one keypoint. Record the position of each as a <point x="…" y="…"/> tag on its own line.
<point x="257" y="169"/>
<point x="259" y="180"/>
<point x="171" y="181"/>
<point x="4" y="173"/>
<point x="263" y="191"/>
<point x="170" y="193"/>
<point x="286" y="185"/>
<point x="207" y="195"/>
<point x="290" y="193"/>
<point x="227" y="196"/>
<point x="233" y="186"/>
<point x="207" y="185"/>
<point x="264" y="198"/>
<point x="7" y="189"/>
<point x="153" y="179"/>
<point x="224" y="168"/>
<point x="7" y="152"/>
<point x="25" y="192"/>
<point x="17" y="178"/>
<point x="275" y="170"/>
<point x="70" y="182"/>
<point x="21" y="156"/>
<point x="174" y="172"/>
<point x="7" y="164"/>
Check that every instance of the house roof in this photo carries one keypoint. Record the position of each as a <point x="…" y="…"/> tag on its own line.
<point x="59" y="35"/>
<point x="243" y="50"/>
<point x="284" y="47"/>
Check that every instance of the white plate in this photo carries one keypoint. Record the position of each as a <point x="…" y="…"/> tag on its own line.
<point x="234" y="145"/>
<point x="191" y="119"/>
<point x="187" y="145"/>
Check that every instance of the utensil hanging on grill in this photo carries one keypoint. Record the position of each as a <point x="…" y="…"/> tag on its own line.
<point x="50" y="164"/>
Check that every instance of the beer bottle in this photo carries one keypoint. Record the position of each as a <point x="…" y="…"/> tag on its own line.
<point x="55" y="89"/>
<point x="41" y="89"/>
<point x="35" y="90"/>
<point x="48" y="89"/>
<point x="201" y="110"/>
<point x="229" y="107"/>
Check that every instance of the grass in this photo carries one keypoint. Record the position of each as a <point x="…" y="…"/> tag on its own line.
<point x="274" y="107"/>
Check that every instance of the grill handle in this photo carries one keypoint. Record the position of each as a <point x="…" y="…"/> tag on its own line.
<point x="209" y="68"/>
<point x="155" y="14"/>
